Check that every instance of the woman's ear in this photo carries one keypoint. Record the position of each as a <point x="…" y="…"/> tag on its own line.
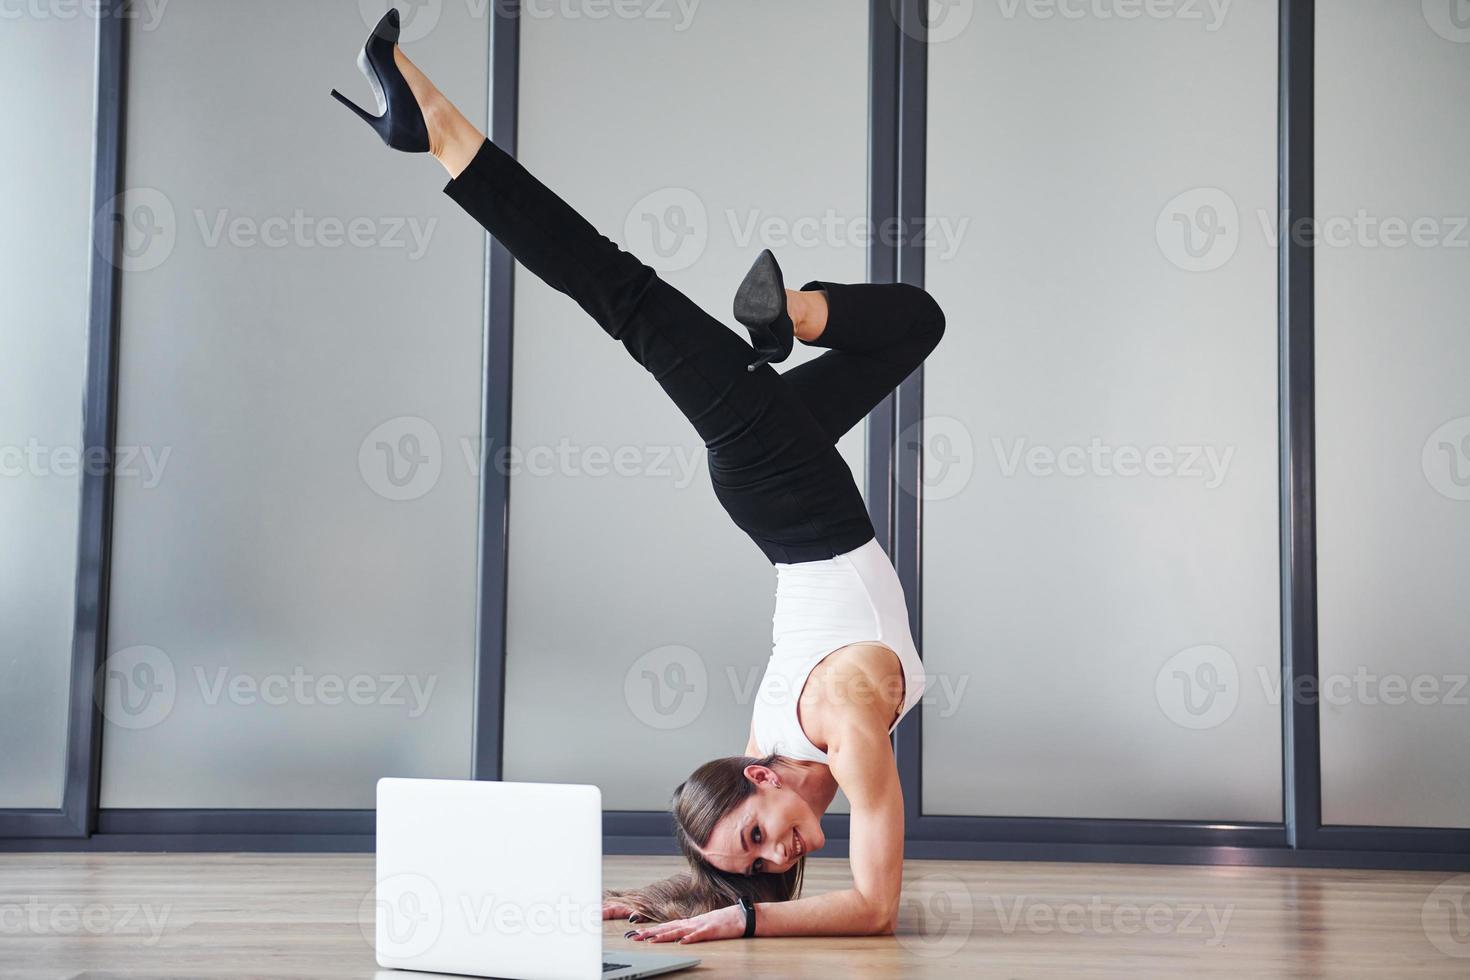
<point x="763" y="776"/>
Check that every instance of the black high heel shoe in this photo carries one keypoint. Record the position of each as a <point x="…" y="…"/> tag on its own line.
<point x="760" y="306"/>
<point x="400" y="120"/>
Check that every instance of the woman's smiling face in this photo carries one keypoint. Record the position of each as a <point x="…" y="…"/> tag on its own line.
<point x="767" y="832"/>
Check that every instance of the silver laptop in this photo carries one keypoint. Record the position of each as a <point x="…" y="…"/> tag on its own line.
<point x="496" y="880"/>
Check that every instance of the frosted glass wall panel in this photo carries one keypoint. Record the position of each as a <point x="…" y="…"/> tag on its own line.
<point x="639" y="615"/>
<point x="1100" y="493"/>
<point x="293" y="585"/>
<point x="1393" y="412"/>
<point x="45" y="195"/>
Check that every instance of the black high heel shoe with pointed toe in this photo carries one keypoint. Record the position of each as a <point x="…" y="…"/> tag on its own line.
<point x="760" y="306"/>
<point x="399" y="122"/>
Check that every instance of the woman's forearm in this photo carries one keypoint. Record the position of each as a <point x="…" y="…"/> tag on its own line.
<point x="840" y="913"/>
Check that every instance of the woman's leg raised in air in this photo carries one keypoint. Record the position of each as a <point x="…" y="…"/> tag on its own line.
<point x="875" y="335"/>
<point x="772" y="464"/>
<point x="699" y="361"/>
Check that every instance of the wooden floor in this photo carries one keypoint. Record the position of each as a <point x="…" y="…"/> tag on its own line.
<point x="246" y="915"/>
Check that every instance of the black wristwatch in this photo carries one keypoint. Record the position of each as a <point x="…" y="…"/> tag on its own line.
<point x="748" y="907"/>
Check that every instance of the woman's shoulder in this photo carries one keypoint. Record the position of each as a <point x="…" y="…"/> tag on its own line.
<point x="860" y="681"/>
<point x="868" y="661"/>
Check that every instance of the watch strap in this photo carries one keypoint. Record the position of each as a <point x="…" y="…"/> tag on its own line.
<point x="748" y="907"/>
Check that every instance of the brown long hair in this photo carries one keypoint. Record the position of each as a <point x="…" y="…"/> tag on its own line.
<point x="699" y="802"/>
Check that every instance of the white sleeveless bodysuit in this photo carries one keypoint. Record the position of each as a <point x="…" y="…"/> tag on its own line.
<point x="822" y="606"/>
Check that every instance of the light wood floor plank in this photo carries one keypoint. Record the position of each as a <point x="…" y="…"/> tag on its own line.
<point x="288" y="916"/>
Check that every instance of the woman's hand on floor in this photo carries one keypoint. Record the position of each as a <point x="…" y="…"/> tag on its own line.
<point x="613" y="909"/>
<point x="726" y="923"/>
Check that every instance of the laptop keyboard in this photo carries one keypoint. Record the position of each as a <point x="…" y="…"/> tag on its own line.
<point x="609" y="967"/>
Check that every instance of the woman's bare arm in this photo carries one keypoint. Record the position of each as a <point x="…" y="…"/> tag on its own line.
<point x="861" y="758"/>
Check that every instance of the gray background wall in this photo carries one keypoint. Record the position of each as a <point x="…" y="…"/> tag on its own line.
<point x="43" y="338"/>
<point x="297" y="345"/>
<point x="622" y="585"/>
<point x="1393" y="422"/>
<point x="1106" y="592"/>
<point x="1102" y="196"/>
<point x="1077" y="608"/>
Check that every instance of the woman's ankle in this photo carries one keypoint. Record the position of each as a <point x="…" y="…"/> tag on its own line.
<point x="453" y="139"/>
<point x="808" y="311"/>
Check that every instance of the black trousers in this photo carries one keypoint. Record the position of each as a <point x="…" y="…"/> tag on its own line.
<point x="770" y="437"/>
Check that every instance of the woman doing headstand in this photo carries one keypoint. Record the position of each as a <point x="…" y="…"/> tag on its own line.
<point x="844" y="669"/>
